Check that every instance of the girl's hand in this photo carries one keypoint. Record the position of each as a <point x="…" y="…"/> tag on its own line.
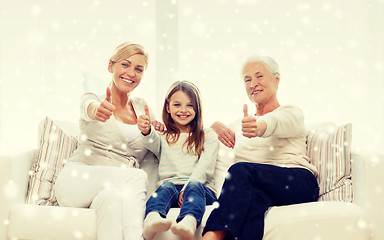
<point x="250" y="126"/>
<point x="181" y="199"/>
<point x="105" y="110"/>
<point x="224" y="134"/>
<point x="158" y="126"/>
<point x="143" y="122"/>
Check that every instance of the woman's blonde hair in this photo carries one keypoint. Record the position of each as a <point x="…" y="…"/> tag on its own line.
<point x="195" y="140"/>
<point x="126" y="50"/>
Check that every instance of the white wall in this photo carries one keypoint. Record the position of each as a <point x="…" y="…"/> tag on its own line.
<point x="330" y="55"/>
<point x="55" y="50"/>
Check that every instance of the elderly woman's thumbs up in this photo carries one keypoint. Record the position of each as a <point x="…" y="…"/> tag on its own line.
<point x="250" y="126"/>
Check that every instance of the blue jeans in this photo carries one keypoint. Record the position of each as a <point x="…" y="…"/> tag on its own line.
<point x="250" y="190"/>
<point x="196" y="196"/>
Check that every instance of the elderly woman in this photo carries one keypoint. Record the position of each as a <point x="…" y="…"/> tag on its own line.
<point x="271" y="166"/>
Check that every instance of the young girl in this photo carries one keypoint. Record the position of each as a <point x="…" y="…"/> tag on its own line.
<point x="187" y="154"/>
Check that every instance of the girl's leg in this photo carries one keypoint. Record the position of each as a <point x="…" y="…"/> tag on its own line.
<point x="157" y="208"/>
<point x="196" y="196"/>
<point x="162" y="199"/>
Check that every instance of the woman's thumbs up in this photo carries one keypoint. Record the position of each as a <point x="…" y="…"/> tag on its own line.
<point x="105" y="110"/>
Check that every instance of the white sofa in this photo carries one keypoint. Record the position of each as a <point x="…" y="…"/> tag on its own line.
<point x="310" y="221"/>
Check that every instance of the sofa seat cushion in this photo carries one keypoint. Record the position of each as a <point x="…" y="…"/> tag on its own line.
<point x="328" y="220"/>
<point x="51" y="222"/>
<point x="318" y="220"/>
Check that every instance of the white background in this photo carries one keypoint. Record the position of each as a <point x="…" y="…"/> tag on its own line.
<point x="330" y="53"/>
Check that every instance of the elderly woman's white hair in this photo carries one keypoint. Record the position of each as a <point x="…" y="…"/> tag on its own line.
<point x="269" y="62"/>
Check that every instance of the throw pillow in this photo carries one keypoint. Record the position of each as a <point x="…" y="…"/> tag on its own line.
<point x="55" y="147"/>
<point x="330" y="151"/>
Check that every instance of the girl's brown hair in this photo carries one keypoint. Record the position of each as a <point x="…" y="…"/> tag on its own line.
<point x="195" y="139"/>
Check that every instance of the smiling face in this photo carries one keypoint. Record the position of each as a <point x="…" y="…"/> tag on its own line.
<point x="260" y="84"/>
<point x="181" y="109"/>
<point x="127" y="73"/>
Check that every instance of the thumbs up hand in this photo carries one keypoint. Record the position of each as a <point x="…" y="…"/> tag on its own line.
<point x="250" y="126"/>
<point x="105" y="110"/>
<point x="143" y="122"/>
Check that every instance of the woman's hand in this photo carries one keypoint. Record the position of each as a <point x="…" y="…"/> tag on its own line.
<point x="158" y="126"/>
<point x="143" y="122"/>
<point x="103" y="111"/>
<point x="250" y="126"/>
<point x="224" y="134"/>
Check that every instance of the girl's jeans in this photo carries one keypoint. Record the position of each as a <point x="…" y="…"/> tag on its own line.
<point x="196" y="196"/>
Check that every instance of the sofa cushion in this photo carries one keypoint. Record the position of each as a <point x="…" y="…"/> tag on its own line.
<point x="51" y="222"/>
<point x="316" y="220"/>
<point x="56" y="146"/>
<point x="329" y="149"/>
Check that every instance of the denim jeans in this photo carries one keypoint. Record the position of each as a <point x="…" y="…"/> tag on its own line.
<point x="196" y="196"/>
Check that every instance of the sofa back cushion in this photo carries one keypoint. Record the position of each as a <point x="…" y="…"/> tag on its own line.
<point x="56" y="145"/>
<point x="329" y="149"/>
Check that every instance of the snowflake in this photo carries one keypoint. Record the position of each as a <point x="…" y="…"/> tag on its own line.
<point x="35" y="10"/>
<point x="216" y="204"/>
<point x="85" y="175"/>
<point x="78" y="234"/>
<point x="11" y="190"/>
<point x="75" y="212"/>
<point x="74" y="173"/>
<point x="87" y="152"/>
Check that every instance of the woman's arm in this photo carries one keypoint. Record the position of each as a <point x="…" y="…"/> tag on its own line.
<point x="93" y="109"/>
<point x="152" y="142"/>
<point x="286" y="122"/>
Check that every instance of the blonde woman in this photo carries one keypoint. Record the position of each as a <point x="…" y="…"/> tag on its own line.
<point x="103" y="172"/>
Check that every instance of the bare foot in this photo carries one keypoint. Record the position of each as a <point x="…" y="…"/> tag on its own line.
<point x="214" y="235"/>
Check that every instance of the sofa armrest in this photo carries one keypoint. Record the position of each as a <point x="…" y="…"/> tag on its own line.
<point x="373" y="192"/>
<point x="5" y="194"/>
<point x="358" y="179"/>
<point x="21" y="167"/>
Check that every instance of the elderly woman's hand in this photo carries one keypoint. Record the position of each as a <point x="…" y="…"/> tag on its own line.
<point x="224" y="134"/>
<point x="250" y="126"/>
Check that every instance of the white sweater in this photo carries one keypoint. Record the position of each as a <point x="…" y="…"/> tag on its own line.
<point x="283" y="143"/>
<point x="104" y="143"/>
